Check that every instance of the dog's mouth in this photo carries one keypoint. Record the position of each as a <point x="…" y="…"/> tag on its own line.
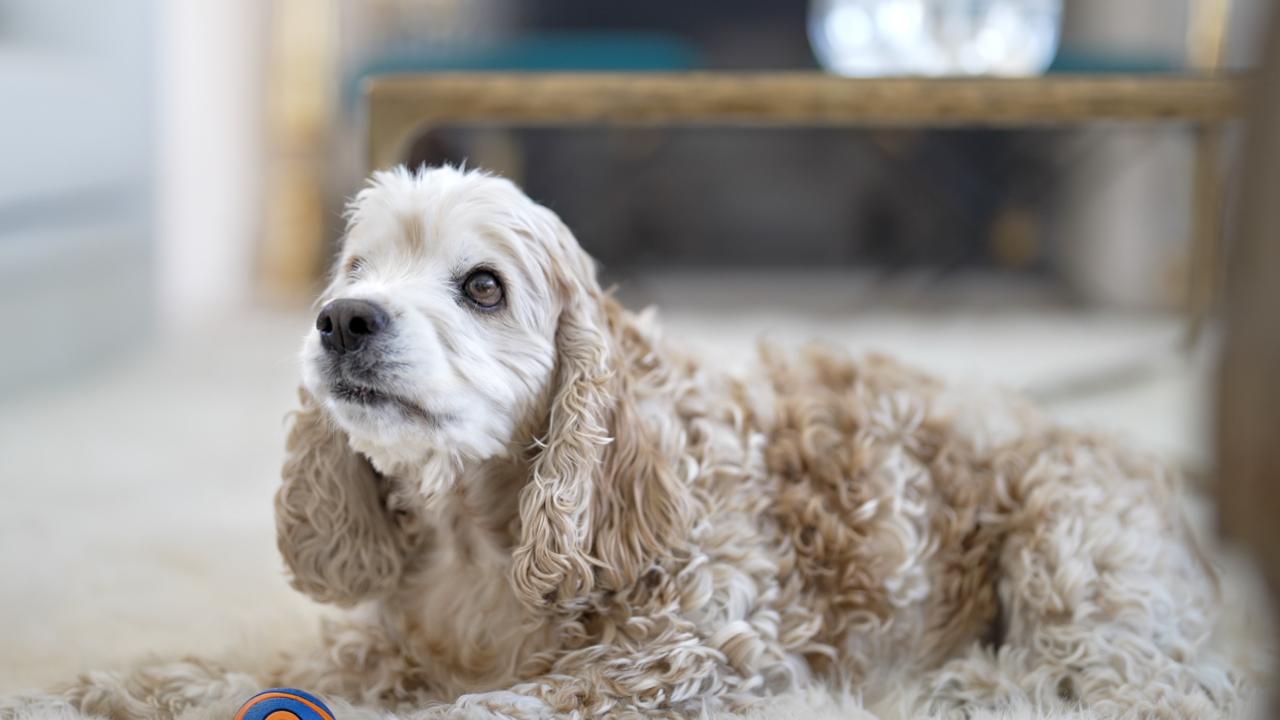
<point x="371" y="397"/>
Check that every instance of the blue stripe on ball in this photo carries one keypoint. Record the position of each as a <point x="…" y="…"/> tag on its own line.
<point x="290" y="700"/>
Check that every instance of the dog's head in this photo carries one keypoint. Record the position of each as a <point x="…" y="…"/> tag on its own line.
<point x="464" y="323"/>
<point x="438" y="331"/>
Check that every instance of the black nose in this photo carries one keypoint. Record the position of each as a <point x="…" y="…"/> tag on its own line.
<point x="345" y="325"/>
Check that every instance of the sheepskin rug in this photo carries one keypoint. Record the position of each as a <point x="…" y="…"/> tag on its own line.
<point x="136" y="514"/>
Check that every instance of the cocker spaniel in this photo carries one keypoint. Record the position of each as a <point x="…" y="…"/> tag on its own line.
<point x="539" y="507"/>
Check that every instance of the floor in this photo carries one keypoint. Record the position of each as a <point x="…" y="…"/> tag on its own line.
<point x="135" y="500"/>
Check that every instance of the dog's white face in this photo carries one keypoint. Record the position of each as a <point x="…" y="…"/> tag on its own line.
<point x="436" y="336"/>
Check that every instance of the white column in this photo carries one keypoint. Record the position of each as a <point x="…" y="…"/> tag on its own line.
<point x="209" y="189"/>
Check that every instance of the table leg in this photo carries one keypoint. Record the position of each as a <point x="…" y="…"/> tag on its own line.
<point x="1205" y="265"/>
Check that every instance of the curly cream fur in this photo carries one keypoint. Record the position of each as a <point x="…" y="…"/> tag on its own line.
<point x="660" y="539"/>
<point x="335" y="532"/>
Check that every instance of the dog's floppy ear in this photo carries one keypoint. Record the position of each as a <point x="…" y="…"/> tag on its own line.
<point x="551" y="562"/>
<point x="604" y="495"/>
<point x="340" y="543"/>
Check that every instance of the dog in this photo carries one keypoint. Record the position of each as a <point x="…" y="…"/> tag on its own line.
<point x="537" y="506"/>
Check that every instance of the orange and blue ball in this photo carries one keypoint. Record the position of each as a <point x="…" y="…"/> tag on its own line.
<point x="284" y="704"/>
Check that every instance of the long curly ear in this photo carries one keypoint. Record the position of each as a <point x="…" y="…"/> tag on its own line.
<point x="605" y="493"/>
<point x="550" y="564"/>
<point x="642" y="503"/>
<point x="340" y="543"/>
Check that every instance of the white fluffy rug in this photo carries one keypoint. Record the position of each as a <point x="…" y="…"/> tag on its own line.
<point x="135" y="504"/>
<point x="815" y="704"/>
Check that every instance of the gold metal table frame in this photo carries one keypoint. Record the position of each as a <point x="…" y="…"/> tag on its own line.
<point x="400" y="107"/>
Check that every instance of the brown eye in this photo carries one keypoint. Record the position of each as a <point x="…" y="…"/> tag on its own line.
<point x="354" y="265"/>
<point x="482" y="288"/>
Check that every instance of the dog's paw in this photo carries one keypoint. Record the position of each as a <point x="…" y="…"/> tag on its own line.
<point x="500" y="705"/>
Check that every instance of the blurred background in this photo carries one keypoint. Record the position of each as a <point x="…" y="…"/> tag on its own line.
<point x="173" y="175"/>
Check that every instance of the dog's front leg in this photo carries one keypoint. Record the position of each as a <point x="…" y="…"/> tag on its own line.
<point x="672" y="676"/>
<point x="501" y="704"/>
<point x="543" y="699"/>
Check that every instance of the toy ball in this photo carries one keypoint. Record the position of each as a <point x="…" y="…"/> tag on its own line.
<point x="284" y="704"/>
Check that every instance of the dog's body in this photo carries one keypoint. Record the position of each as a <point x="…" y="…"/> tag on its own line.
<point x="541" y="507"/>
